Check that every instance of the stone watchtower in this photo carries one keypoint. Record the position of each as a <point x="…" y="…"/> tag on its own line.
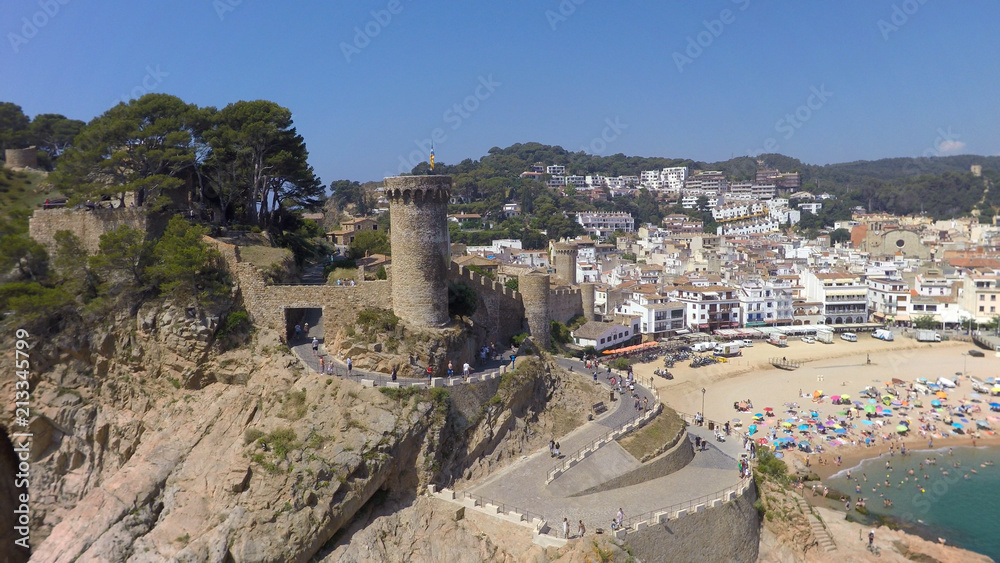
<point x="588" y="296"/>
<point x="534" y="290"/>
<point x="418" y="207"/>
<point x="21" y="158"/>
<point x="565" y="261"/>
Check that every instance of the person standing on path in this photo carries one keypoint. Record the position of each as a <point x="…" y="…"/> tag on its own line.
<point x="306" y="329"/>
<point x="620" y="517"/>
<point x="465" y="370"/>
<point x="566" y="528"/>
<point x="580" y="529"/>
<point x="315" y="344"/>
<point x="322" y="364"/>
<point x="298" y="331"/>
<point x="451" y="369"/>
<point x="350" y="366"/>
<point x="395" y="369"/>
<point x="552" y="448"/>
<point x="557" y="449"/>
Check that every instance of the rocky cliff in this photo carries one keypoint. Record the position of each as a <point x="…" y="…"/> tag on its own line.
<point x="154" y="442"/>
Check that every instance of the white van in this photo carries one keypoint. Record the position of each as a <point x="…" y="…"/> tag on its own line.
<point x="849" y="336"/>
<point x="746" y="343"/>
<point x="883" y="334"/>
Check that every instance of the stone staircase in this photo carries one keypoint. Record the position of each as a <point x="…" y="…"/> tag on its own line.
<point x="817" y="527"/>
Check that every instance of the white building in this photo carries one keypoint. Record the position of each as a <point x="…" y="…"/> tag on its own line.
<point x="577" y="181"/>
<point x="739" y="211"/>
<point x="602" y="335"/>
<point x="555" y="170"/>
<point x="658" y="316"/>
<point x="888" y="299"/>
<point x="707" y="180"/>
<point x="811" y="207"/>
<point x="708" y="308"/>
<point x="842" y="295"/>
<point x="602" y="224"/>
<point x="765" y="304"/>
<point x="673" y="178"/>
<point x="556" y="181"/>
<point x="759" y="226"/>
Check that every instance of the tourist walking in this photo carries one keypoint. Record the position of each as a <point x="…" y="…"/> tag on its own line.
<point x="322" y="364"/>
<point x="566" y="528"/>
<point x="395" y="369"/>
<point x="580" y="529"/>
<point x="450" y="369"/>
<point x="298" y="331"/>
<point x="306" y="329"/>
<point x="315" y="345"/>
<point x="552" y="448"/>
<point x="350" y="366"/>
<point x="466" y="369"/>
<point x="557" y="449"/>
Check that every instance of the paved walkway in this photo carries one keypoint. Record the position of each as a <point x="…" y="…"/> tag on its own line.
<point x="522" y="484"/>
<point x="302" y="347"/>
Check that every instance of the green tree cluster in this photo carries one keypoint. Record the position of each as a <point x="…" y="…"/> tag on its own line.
<point x="245" y="162"/>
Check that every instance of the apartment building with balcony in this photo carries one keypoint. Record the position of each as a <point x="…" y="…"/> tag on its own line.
<point x="843" y="295"/>
<point x="555" y="170"/>
<point x="673" y="178"/>
<point x="602" y="224"/>
<point x="659" y="317"/>
<point x="709" y="308"/>
<point x="980" y="295"/>
<point x="764" y="304"/>
<point x="888" y="300"/>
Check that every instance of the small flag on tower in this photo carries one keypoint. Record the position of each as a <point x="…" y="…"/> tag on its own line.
<point x="432" y="156"/>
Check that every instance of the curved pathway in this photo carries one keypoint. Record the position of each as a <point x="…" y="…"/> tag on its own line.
<point x="523" y="483"/>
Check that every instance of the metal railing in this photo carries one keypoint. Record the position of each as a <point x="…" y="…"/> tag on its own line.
<point x="505" y="508"/>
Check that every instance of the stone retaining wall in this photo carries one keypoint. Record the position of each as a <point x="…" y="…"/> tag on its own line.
<point x="666" y="463"/>
<point x="86" y="224"/>
<point x="724" y="530"/>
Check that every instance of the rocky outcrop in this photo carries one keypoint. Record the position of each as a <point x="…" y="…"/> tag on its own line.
<point x="153" y="443"/>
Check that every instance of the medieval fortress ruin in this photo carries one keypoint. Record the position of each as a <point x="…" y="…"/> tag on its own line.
<point x="417" y="288"/>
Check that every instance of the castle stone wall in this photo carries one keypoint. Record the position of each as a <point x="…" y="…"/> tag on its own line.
<point x="535" y="294"/>
<point x="500" y="310"/>
<point x="588" y="294"/>
<point x="266" y="304"/>
<point x="564" y="304"/>
<point x="418" y="207"/>
<point x="21" y="158"/>
<point x="86" y="224"/>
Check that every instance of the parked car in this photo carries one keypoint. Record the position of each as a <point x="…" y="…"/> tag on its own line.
<point x="808" y="340"/>
<point x="976" y="353"/>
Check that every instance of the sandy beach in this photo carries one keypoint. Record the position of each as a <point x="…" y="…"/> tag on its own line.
<point x="841" y="368"/>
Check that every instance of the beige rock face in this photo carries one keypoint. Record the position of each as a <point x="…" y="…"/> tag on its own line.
<point x="154" y="445"/>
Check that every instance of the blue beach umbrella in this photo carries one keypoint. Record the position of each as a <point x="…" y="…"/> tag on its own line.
<point x="957" y="425"/>
<point x="840" y="431"/>
<point x="803" y="427"/>
<point x="935" y="403"/>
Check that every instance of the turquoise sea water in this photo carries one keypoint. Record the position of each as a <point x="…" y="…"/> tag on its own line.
<point x="962" y="510"/>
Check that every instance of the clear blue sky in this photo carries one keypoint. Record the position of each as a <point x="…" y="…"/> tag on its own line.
<point x="924" y="82"/>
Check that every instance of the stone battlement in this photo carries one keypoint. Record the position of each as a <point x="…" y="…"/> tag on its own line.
<point x="480" y="281"/>
<point x="418" y="189"/>
<point x="87" y="224"/>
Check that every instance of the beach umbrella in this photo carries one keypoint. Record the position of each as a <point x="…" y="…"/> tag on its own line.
<point x="803" y="427"/>
<point x="990" y="380"/>
<point x="995" y="405"/>
<point x="886" y="412"/>
<point x="896" y="404"/>
<point x="752" y="429"/>
<point x="868" y="422"/>
<point x="974" y="395"/>
<point x="872" y="401"/>
<point x="902" y="428"/>
<point x="768" y="409"/>
<point x="957" y="425"/>
<point x="758" y="415"/>
<point x="845" y="396"/>
<point x="896" y="381"/>
<point x="995" y="390"/>
<point x="786" y="424"/>
<point x="762" y="441"/>
<point x="840" y="431"/>
<point x="935" y="403"/>
<point x="835" y="398"/>
<point x="870" y="408"/>
<point x="941" y="395"/>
